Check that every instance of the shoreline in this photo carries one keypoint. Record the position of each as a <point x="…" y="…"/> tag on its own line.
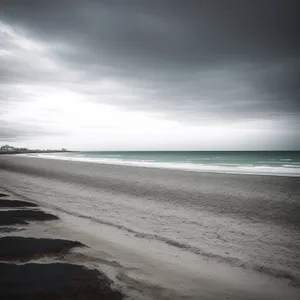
<point x="185" y="167"/>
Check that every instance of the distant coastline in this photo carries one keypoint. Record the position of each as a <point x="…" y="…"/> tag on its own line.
<point x="6" y="149"/>
<point x="34" y="151"/>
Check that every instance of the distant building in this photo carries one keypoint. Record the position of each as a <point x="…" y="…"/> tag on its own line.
<point x="7" y="148"/>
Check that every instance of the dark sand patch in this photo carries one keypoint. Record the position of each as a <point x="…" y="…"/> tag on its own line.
<point x="17" y="217"/>
<point x="6" y="229"/>
<point x="16" y="203"/>
<point x="54" y="281"/>
<point x="24" y="248"/>
<point x="3" y="195"/>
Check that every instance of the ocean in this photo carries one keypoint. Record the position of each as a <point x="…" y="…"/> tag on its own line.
<point x="171" y="231"/>
<point x="242" y="162"/>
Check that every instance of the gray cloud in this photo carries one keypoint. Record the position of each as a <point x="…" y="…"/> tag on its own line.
<point x="19" y="132"/>
<point x="193" y="61"/>
<point x="172" y="33"/>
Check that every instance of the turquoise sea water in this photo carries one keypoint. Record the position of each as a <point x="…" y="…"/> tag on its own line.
<point x="249" y="162"/>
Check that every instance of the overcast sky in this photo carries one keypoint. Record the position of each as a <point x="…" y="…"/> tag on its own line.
<point x="150" y="74"/>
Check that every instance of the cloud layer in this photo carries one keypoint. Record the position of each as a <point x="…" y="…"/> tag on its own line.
<point x="120" y="68"/>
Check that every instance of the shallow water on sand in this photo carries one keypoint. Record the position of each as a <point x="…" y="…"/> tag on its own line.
<point x="174" y="234"/>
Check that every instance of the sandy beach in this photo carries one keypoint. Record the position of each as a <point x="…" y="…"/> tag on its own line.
<point x="149" y="233"/>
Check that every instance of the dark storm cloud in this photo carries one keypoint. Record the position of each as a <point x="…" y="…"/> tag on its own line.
<point x="174" y="33"/>
<point x="191" y="60"/>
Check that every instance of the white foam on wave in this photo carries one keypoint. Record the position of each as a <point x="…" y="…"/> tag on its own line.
<point x="282" y="170"/>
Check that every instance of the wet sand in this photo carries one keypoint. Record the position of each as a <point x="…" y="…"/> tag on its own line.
<point x="17" y="217"/>
<point x="23" y="248"/>
<point x="34" y="280"/>
<point x="15" y="203"/>
<point x="53" y="281"/>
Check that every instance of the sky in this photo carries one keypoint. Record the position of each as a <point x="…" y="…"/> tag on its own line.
<point x="150" y="75"/>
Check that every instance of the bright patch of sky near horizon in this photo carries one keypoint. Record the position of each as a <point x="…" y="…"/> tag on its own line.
<point x="46" y="103"/>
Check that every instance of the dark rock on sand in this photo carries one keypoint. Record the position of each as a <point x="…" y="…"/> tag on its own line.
<point x="54" y="281"/>
<point x="3" y="195"/>
<point x="16" y="217"/>
<point x="24" y="248"/>
<point x="16" y="203"/>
